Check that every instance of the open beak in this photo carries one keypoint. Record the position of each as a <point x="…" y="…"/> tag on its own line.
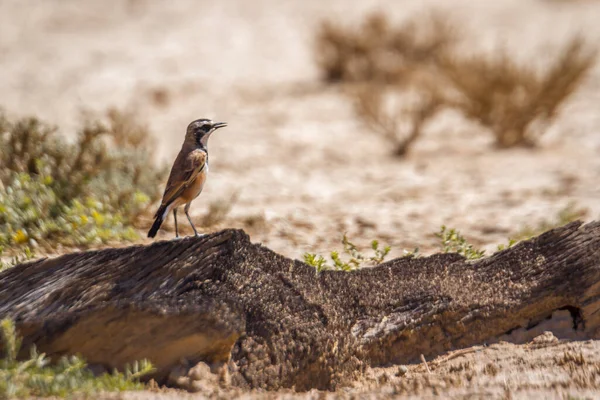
<point x="218" y="125"/>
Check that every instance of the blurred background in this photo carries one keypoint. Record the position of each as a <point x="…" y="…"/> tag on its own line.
<point x="379" y="119"/>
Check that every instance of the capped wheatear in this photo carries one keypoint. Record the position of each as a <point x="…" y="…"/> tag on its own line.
<point x="188" y="173"/>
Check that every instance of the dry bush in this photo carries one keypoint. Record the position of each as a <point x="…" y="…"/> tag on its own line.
<point x="516" y="102"/>
<point x="401" y="124"/>
<point x="378" y="52"/>
<point x="392" y="63"/>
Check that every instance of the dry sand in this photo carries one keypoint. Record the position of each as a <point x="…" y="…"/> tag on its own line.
<point x="545" y="369"/>
<point x="304" y="168"/>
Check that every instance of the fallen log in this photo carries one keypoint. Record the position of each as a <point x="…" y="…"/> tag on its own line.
<point x="275" y="323"/>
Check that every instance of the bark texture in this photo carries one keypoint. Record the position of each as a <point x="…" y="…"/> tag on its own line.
<point x="275" y="323"/>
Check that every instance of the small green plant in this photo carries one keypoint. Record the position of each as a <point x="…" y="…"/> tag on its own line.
<point x="453" y="242"/>
<point x="26" y="254"/>
<point x="355" y="259"/>
<point x="511" y="243"/>
<point x="379" y="254"/>
<point x="37" y="377"/>
<point x="11" y="342"/>
<point x="317" y="261"/>
<point x="414" y="253"/>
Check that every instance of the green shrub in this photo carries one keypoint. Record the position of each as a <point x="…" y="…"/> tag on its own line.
<point x="89" y="191"/>
<point x="355" y="259"/>
<point x="38" y="377"/>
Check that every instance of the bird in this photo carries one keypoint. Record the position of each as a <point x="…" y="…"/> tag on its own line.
<point x="188" y="174"/>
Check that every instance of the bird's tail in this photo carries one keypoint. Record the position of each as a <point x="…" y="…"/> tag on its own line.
<point x="158" y="220"/>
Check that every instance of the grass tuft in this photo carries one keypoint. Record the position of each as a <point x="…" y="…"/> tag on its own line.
<point x="38" y="377"/>
<point x="24" y="255"/>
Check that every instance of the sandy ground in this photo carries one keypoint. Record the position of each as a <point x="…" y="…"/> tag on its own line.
<point x="305" y="170"/>
<point x="545" y="369"/>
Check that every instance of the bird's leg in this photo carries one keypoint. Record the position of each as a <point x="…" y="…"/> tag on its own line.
<point x="186" y="209"/>
<point x="175" y="218"/>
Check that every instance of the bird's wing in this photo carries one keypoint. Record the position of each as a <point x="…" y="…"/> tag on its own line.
<point x="185" y="169"/>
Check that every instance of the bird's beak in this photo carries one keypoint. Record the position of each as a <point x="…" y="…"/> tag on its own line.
<point x="218" y="125"/>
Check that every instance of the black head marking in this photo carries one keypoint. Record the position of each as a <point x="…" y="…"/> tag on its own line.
<point x="201" y="129"/>
<point x="204" y="125"/>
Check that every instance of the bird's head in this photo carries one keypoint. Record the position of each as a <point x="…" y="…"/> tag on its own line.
<point x="200" y="130"/>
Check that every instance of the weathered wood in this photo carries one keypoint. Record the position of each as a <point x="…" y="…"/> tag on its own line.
<point x="221" y="297"/>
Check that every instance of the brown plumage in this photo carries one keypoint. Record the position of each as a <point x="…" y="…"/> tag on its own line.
<point x="187" y="177"/>
<point x="188" y="174"/>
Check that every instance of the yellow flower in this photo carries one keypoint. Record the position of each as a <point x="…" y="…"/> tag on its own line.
<point x="93" y="204"/>
<point x="84" y="219"/>
<point x="98" y="218"/>
<point x="141" y="198"/>
<point x="20" y="237"/>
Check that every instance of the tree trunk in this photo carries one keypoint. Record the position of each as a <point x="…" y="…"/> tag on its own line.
<point x="222" y="299"/>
